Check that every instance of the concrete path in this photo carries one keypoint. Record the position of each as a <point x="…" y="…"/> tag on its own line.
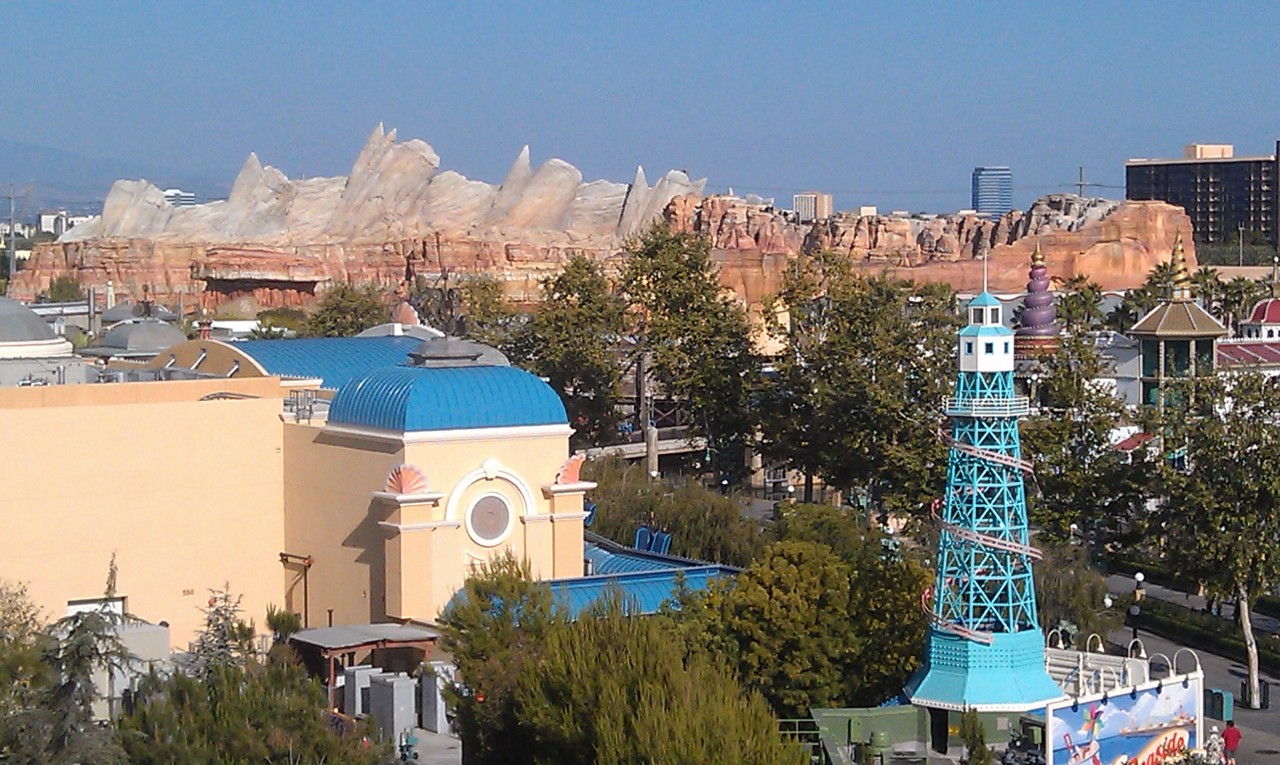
<point x="1123" y="585"/>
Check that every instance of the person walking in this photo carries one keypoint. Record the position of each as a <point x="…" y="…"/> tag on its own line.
<point x="1215" y="746"/>
<point x="1231" y="741"/>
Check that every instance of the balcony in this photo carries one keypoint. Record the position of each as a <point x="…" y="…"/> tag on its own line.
<point x="1010" y="406"/>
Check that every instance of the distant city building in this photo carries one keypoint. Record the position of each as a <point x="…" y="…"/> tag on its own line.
<point x="53" y="222"/>
<point x="992" y="191"/>
<point x="865" y="211"/>
<point x="25" y="230"/>
<point x="811" y="206"/>
<point x="1220" y="191"/>
<point x="180" y="198"/>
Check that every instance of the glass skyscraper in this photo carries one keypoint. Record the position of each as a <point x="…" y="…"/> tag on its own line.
<point x="992" y="191"/>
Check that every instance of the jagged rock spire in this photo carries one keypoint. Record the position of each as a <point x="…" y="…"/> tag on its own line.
<point x="1181" y="278"/>
<point x="1039" y="314"/>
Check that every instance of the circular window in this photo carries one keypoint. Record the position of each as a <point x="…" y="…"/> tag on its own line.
<point x="489" y="519"/>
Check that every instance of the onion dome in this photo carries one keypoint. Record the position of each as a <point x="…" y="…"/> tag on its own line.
<point x="1039" y="314"/>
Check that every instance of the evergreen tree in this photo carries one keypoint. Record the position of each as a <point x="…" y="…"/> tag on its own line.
<point x="496" y="624"/>
<point x="613" y="688"/>
<point x="59" y="728"/>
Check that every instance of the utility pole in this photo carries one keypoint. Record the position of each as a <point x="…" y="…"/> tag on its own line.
<point x="13" y="250"/>
<point x="1080" y="184"/>
<point x="1241" y="230"/>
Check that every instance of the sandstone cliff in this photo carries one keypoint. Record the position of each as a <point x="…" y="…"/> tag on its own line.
<point x="282" y="241"/>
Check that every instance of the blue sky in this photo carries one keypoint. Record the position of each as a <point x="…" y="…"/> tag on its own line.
<point x="881" y="103"/>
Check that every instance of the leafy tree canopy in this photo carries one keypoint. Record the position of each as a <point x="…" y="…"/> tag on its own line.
<point x="346" y="310"/>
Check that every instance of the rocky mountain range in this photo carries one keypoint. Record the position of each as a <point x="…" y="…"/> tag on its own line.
<point x="277" y="241"/>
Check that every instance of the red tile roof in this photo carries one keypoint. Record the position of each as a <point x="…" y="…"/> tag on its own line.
<point x="1266" y="312"/>
<point x="1133" y="442"/>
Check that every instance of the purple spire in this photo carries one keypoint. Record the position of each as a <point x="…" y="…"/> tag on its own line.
<point x="1039" y="314"/>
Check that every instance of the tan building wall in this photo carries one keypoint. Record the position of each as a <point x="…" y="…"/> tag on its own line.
<point x="378" y="553"/>
<point x="187" y="493"/>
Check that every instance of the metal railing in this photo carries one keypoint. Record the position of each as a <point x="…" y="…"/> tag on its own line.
<point x="968" y="406"/>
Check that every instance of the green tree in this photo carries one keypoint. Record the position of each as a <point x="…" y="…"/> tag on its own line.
<point x="1138" y="302"/>
<point x="346" y="310"/>
<point x="1086" y="487"/>
<point x="1080" y="305"/>
<point x="59" y="728"/>
<point x="488" y="317"/>
<point x="693" y="337"/>
<point x="974" y="737"/>
<point x="857" y="393"/>
<point x="573" y="341"/>
<point x="1071" y="595"/>
<point x="1238" y="298"/>
<point x="1219" y="512"/>
<point x="703" y="524"/>
<point x="21" y="630"/>
<point x="790" y="615"/>
<point x="496" y="624"/>
<point x="239" y="714"/>
<point x="226" y="640"/>
<point x="610" y="685"/>
<point x="64" y="289"/>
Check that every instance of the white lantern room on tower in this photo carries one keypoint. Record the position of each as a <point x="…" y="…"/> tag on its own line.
<point x="986" y="344"/>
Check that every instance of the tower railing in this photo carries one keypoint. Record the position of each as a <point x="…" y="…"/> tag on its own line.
<point x="987" y="406"/>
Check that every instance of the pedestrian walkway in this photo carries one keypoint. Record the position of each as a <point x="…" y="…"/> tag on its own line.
<point x="1123" y="585"/>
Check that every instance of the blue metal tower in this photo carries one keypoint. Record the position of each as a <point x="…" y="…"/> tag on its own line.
<point x="986" y="649"/>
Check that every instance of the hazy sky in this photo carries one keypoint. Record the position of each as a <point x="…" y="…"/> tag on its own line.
<point x="880" y="103"/>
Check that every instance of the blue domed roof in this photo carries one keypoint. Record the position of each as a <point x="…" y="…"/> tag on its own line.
<point x="407" y="399"/>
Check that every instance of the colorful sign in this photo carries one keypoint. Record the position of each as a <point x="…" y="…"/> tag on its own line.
<point x="1144" y="725"/>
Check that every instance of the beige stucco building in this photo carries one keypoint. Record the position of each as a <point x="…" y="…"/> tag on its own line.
<point x="347" y="480"/>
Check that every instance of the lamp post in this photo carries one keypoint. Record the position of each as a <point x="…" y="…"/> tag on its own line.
<point x="791" y="494"/>
<point x="1139" y="593"/>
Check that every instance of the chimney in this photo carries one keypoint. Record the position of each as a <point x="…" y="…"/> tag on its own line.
<point x="204" y="329"/>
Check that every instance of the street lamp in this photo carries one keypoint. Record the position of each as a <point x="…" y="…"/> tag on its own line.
<point x="1139" y="593"/>
<point x="791" y="494"/>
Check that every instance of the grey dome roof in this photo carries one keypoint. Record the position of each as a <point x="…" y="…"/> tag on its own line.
<point x="456" y="352"/>
<point x="147" y="336"/>
<point x="124" y="311"/>
<point x="19" y="324"/>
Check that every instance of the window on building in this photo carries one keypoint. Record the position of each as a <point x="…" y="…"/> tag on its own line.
<point x="968" y="348"/>
<point x="977" y="316"/>
<point x="988" y="347"/>
<point x="1006" y="346"/>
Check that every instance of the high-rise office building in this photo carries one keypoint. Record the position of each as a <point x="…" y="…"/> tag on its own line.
<point x="992" y="191"/>
<point x="1221" y="192"/>
<point x="811" y="206"/>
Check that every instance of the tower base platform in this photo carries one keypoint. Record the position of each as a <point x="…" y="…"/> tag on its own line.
<point x="1008" y="675"/>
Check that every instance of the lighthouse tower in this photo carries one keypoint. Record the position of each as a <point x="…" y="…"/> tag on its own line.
<point x="986" y="649"/>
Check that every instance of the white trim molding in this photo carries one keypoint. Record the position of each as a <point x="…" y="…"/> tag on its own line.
<point x="528" y="519"/>
<point x="491" y="470"/>
<point x="449" y="436"/>
<point x="560" y="489"/>
<point x="568" y="516"/>
<point x="401" y="528"/>
<point x="429" y="498"/>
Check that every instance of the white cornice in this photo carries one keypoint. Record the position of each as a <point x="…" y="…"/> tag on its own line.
<point x="431" y="497"/>
<point x="406" y="527"/>
<point x="568" y="516"/>
<point x="528" y="519"/>
<point x="561" y="489"/>
<point x="455" y="435"/>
